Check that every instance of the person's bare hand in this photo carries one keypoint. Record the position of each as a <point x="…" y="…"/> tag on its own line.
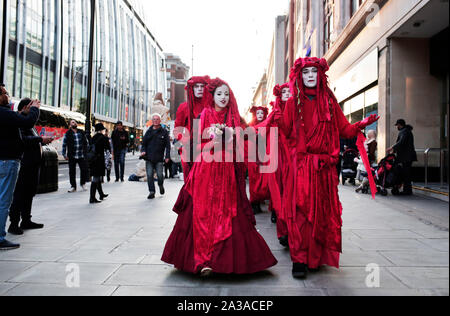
<point x="36" y="104"/>
<point x="47" y="140"/>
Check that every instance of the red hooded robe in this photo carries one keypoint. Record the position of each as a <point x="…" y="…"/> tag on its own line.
<point x="311" y="206"/>
<point x="259" y="185"/>
<point x="187" y="113"/>
<point x="216" y="225"/>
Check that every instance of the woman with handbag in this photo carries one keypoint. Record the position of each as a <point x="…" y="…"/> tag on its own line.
<point x="99" y="144"/>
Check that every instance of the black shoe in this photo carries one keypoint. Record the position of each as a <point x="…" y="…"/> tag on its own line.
<point x="104" y="196"/>
<point x="151" y="196"/>
<point x="122" y="180"/>
<point x="94" y="201"/>
<point x="117" y="180"/>
<point x="300" y="271"/>
<point x="313" y="270"/>
<point x="284" y="241"/>
<point x="6" y="245"/>
<point x="395" y="192"/>
<point x="15" y="230"/>
<point x="274" y="218"/>
<point x="406" y="193"/>
<point x="256" y="208"/>
<point x="162" y="190"/>
<point x="30" y="226"/>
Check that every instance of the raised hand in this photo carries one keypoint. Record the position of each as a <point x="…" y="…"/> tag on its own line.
<point x="367" y="122"/>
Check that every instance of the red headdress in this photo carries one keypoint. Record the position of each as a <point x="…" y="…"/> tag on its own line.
<point x="233" y="119"/>
<point x="277" y="92"/>
<point x="195" y="105"/>
<point x="322" y="91"/>
<point x="254" y="110"/>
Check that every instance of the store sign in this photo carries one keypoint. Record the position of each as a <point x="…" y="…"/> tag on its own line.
<point x="359" y="77"/>
<point x="57" y="133"/>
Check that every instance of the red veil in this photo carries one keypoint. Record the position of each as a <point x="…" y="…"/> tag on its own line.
<point x="195" y="105"/>
<point x="255" y="109"/>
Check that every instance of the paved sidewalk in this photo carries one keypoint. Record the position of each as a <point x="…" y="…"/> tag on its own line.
<point x="117" y="247"/>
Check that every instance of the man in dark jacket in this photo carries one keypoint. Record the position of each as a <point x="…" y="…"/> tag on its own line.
<point x="75" y="146"/>
<point x="120" y="140"/>
<point x="28" y="180"/>
<point x="156" y="151"/>
<point x="406" y="153"/>
<point x="11" y="151"/>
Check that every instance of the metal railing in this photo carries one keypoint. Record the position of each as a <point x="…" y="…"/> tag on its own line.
<point x="442" y="162"/>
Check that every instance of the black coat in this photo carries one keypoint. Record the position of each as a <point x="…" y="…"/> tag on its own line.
<point x="156" y="145"/>
<point x="405" y="149"/>
<point x="32" y="156"/>
<point x="11" y="142"/>
<point x="98" y="166"/>
<point x="120" y="140"/>
<point x="70" y="138"/>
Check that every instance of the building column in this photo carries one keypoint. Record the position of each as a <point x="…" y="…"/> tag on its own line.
<point x="5" y="41"/>
<point x="384" y="103"/>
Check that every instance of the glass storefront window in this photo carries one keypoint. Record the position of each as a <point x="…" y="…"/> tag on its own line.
<point x="13" y="20"/>
<point x="362" y="106"/>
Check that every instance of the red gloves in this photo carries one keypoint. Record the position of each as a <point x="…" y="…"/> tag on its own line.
<point x="367" y="122"/>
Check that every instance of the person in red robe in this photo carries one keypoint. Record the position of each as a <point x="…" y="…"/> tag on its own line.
<point x="278" y="179"/>
<point x="258" y="181"/>
<point x="215" y="231"/>
<point x="187" y="113"/>
<point x="312" y="209"/>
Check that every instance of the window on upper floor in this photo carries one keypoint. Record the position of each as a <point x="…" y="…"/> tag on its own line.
<point x="355" y="5"/>
<point x="328" y="23"/>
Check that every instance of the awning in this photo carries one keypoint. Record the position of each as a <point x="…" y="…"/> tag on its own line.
<point x="81" y="118"/>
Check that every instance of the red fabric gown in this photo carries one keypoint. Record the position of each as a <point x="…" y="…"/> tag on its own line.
<point x="187" y="113"/>
<point x="314" y="218"/>
<point x="216" y="225"/>
<point x="258" y="182"/>
<point x="279" y="178"/>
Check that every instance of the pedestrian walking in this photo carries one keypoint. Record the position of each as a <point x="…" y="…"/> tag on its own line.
<point x="11" y="151"/>
<point x="99" y="145"/>
<point x="120" y="140"/>
<point x="74" y="150"/>
<point x="406" y="154"/>
<point x="28" y="180"/>
<point x="156" y="152"/>
<point x="186" y="114"/>
<point x="215" y="231"/>
<point x="312" y="209"/>
<point x="108" y="158"/>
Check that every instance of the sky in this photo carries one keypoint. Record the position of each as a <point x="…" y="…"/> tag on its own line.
<point x="232" y="38"/>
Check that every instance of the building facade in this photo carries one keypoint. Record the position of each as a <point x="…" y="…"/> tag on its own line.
<point x="45" y="55"/>
<point x="177" y="77"/>
<point x="386" y="57"/>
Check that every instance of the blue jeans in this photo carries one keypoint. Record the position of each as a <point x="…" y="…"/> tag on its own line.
<point x="9" y="172"/>
<point x="151" y="167"/>
<point x="119" y="164"/>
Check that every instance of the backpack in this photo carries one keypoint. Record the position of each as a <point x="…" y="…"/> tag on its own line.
<point x="91" y="155"/>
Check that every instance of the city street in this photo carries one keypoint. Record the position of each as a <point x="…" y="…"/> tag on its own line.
<point x="116" y="247"/>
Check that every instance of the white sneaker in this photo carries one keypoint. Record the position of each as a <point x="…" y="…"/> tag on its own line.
<point x="83" y="188"/>
<point x="73" y="190"/>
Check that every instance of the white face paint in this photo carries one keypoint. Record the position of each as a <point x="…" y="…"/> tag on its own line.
<point x="222" y="96"/>
<point x="199" y="90"/>
<point x="260" y="115"/>
<point x="285" y="94"/>
<point x="310" y="77"/>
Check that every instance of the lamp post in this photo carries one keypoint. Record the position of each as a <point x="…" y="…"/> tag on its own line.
<point x="91" y="70"/>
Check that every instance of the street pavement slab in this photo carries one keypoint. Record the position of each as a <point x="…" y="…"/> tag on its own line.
<point x="115" y="248"/>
